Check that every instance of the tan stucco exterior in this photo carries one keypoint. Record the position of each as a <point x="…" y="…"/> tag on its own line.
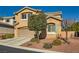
<point x="24" y="23"/>
<point x="57" y="22"/>
<point x="58" y="29"/>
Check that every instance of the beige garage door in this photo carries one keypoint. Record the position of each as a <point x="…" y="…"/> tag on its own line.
<point x="24" y="32"/>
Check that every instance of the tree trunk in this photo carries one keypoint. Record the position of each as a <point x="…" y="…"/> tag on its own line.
<point x="76" y="34"/>
<point x="37" y="33"/>
<point x="66" y="30"/>
<point x="66" y="35"/>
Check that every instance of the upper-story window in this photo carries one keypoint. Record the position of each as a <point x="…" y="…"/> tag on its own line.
<point x="26" y="15"/>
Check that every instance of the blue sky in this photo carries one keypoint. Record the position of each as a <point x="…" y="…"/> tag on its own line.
<point x="68" y="12"/>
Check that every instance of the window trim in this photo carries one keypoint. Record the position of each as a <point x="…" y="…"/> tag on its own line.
<point x="51" y="30"/>
<point x="51" y="33"/>
<point x="24" y="16"/>
<point x="27" y="15"/>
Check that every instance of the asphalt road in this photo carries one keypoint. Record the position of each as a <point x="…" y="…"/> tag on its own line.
<point x="6" y="49"/>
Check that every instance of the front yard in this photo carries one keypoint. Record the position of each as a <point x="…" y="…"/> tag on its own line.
<point x="73" y="47"/>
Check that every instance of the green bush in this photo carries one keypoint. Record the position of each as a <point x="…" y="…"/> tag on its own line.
<point x="57" y="42"/>
<point x="34" y="40"/>
<point x="6" y="36"/>
<point x="47" y="45"/>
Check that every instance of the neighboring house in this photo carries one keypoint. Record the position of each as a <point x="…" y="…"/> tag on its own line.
<point x="6" y="28"/>
<point x="6" y="25"/>
<point x="9" y="20"/>
<point x="21" y="27"/>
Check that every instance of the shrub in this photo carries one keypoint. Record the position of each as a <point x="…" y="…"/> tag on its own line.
<point x="34" y="40"/>
<point x="6" y="36"/>
<point x="47" y="45"/>
<point x="57" y="42"/>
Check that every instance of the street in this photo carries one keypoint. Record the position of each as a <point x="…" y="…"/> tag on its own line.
<point x="6" y="49"/>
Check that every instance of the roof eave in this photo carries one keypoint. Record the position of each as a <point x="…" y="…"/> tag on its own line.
<point x="54" y="18"/>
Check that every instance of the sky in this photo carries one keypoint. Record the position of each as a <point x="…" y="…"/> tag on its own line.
<point x="68" y="12"/>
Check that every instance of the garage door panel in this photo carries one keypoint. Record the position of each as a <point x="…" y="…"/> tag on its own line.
<point x="23" y="32"/>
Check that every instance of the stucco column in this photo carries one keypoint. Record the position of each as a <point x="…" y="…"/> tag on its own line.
<point x="15" y="32"/>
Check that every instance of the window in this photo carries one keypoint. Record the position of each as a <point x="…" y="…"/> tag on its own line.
<point x="7" y="20"/>
<point x="26" y="15"/>
<point x="51" y="27"/>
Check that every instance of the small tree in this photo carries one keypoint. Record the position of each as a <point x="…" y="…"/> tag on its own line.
<point x="67" y="26"/>
<point x="75" y="27"/>
<point x="37" y="23"/>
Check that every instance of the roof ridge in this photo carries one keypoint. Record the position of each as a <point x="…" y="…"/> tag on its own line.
<point x="26" y="7"/>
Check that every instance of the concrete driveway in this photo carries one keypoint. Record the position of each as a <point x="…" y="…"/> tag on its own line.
<point x="15" y="41"/>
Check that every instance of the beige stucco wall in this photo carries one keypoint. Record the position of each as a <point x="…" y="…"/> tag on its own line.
<point x="23" y="22"/>
<point x="58" y="30"/>
<point x="51" y="36"/>
<point x="58" y="24"/>
<point x="70" y="34"/>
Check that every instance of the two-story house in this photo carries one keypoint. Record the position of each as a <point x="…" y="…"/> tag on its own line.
<point x="21" y="27"/>
<point x="7" y="25"/>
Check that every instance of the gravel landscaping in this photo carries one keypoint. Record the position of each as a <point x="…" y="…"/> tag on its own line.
<point x="73" y="47"/>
